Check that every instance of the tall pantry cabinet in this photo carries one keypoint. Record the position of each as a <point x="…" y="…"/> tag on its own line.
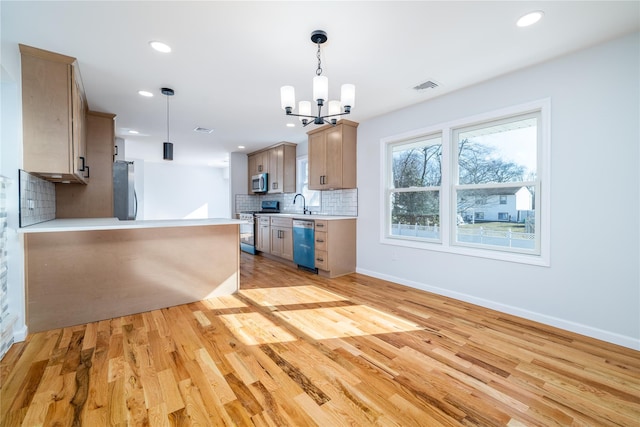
<point x="332" y="156"/>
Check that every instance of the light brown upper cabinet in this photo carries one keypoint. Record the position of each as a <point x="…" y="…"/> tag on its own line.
<point x="279" y="162"/>
<point x="332" y="156"/>
<point x="53" y="117"/>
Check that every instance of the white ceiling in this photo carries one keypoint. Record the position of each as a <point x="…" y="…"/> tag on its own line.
<point x="230" y="59"/>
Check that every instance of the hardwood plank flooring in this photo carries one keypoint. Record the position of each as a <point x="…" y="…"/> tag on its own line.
<point x="295" y="349"/>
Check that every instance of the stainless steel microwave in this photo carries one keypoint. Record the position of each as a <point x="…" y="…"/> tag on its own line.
<point x="259" y="183"/>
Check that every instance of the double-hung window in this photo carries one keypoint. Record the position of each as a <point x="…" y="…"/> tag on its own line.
<point x="414" y="191"/>
<point x="475" y="186"/>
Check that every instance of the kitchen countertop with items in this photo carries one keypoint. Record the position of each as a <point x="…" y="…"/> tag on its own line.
<point x="82" y="224"/>
<point x="310" y="217"/>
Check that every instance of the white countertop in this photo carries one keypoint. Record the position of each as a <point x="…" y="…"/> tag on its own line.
<point x="83" y="224"/>
<point x="314" y="217"/>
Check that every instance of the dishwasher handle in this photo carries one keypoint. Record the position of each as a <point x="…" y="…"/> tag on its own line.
<point x="299" y="223"/>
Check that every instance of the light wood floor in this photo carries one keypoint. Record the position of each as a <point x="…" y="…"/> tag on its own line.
<point x="294" y="349"/>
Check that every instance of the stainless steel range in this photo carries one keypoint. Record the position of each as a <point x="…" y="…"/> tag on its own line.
<point x="248" y="230"/>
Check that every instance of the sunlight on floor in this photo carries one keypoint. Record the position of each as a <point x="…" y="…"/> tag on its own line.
<point x="319" y="323"/>
<point x="255" y="329"/>
<point x="347" y="321"/>
<point x="307" y="294"/>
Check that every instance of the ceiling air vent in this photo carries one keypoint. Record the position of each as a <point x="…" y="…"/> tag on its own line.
<point x="202" y="130"/>
<point x="426" y="85"/>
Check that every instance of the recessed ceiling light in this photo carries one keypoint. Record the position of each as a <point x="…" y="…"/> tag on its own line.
<point x="241" y="147"/>
<point x="160" y="47"/>
<point x="530" y="18"/>
<point x="145" y="93"/>
<point x="291" y="125"/>
<point x="133" y="132"/>
<point x="200" y="129"/>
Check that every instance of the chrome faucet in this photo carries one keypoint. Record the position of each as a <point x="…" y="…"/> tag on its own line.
<point x="304" y="203"/>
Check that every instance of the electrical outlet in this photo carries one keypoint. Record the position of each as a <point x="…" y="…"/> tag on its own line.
<point x="31" y="204"/>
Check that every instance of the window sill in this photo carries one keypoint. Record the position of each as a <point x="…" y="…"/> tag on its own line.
<point x="538" y="260"/>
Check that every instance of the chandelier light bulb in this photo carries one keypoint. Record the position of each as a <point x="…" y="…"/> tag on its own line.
<point x="334" y="108"/>
<point x="347" y="96"/>
<point x="287" y="97"/>
<point x="304" y="109"/>
<point x="320" y="89"/>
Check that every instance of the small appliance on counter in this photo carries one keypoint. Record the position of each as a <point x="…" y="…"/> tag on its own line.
<point x="125" y="202"/>
<point x="249" y="230"/>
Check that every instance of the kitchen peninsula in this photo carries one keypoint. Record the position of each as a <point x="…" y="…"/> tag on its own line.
<point x="84" y="270"/>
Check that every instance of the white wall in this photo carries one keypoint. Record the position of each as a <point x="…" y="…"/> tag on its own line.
<point x="176" y="191"/>
<point x="239" y="182"/>
<point x="10" y="162"/>
<point x="592" y="285"/>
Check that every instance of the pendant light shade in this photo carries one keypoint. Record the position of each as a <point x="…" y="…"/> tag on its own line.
<point x="167" y="151"/>
<point x="167" y="147"/>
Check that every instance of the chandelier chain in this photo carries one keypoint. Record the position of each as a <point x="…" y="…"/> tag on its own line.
<point x="319" y="70"/>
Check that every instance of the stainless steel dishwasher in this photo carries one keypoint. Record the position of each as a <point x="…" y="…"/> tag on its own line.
<point x="303" y="244"/>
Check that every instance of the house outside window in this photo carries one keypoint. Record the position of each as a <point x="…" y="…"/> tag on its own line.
<point x="436" y="178"/>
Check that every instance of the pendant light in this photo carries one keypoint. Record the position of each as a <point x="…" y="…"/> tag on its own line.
<point x="320" y="95"/>
<point x="167" y="147"/>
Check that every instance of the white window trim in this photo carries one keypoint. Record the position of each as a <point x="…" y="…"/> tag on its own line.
<point x="542" y="201"/>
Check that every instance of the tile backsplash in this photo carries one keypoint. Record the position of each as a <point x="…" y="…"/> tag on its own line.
<point x="332" y="202"/>
<point x="37" y="199"/>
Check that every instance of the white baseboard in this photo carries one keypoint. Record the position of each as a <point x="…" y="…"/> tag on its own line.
<point x="20" y="334"/>
<point x="612" y="337"/>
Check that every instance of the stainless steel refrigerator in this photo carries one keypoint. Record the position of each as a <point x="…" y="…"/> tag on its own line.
<point x="125" y="202"/>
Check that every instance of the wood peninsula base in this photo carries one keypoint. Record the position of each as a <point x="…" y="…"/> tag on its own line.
<point x="76" y="277"/>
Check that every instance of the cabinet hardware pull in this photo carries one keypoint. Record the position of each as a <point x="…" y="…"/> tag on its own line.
<point x="320" y="225"/>
<point x="83" y="165"/>
<point x="319" y="259"/>
<point x="116" y="153"/>
<point x="259" y="168"/>
<point x="319" y="240"/>
<point x="88" y="174"/>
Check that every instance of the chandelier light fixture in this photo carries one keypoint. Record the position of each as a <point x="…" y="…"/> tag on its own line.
<point x="167" y="147"/>
<point x="320" y="95"/>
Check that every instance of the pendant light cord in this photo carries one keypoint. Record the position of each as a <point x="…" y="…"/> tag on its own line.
<point x="168" y="140"/>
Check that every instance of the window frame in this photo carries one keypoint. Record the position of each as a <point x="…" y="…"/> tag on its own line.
<point x="300" y="183"/>
<point x="448" y="214"/>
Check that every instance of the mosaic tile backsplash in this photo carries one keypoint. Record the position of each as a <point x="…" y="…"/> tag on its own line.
<point x="37" y="200"/>
<point x="333" y="202"/>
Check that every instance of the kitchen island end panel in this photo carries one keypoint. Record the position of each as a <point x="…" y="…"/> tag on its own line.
<point x="77" y="277"/>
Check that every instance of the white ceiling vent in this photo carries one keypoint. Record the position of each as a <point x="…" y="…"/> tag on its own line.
<point x="429" y="84"/>
<point x="202" y="130"/>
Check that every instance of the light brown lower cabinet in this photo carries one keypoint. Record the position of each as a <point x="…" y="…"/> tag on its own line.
<point x="75" y="277"/>
<point x="282" y="237"/>
<point x="335" y="247"/>
<point x="263" y="237"/>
